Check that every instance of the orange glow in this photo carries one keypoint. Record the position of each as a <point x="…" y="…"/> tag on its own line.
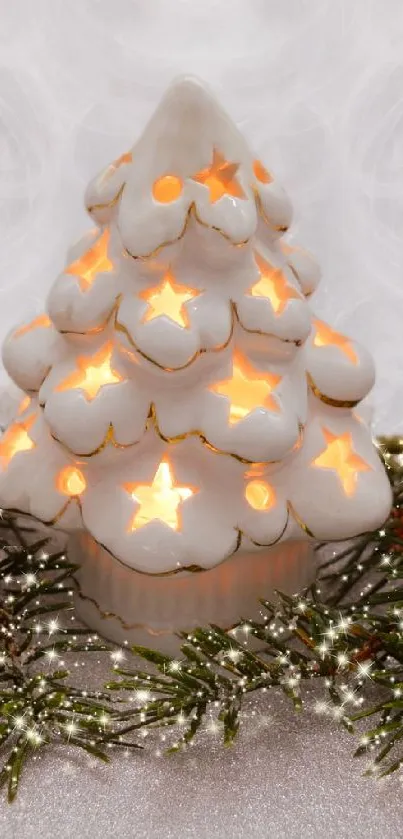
<point x="260" y="495"/>
<point x="273" y="285"/>
<point x="340" y="456"/>
<point x="124" y="158"/>
<point x="23" y="405"/>
<point x="168" y="298"/>
<point x="93" y="373"/>
<point x="159" y="500"/>
<point x="247" y="390"/>
<point x="70" y="481"/>
<point x="220" y="179"/>
<point x="16" y="439"/>
<point x="42" y="321"/>
<point x="167" y="189"/>
<point x="92" y="262"/>
<point x="325" y="337"/>
<point x="261" y="173"/>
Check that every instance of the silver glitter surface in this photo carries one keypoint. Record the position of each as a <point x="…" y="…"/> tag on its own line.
<point x="287" y="776"/>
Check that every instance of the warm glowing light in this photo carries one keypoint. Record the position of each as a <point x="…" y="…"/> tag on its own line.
<point x="247" y="390"/>
<point x="261" y="173"/>
<point x="70" y="481"/>
<point x="220" y="179"/>
<point x="160" y="499"/>
<point x="340" y="456"/>
<point x="93" y="373"/>
<point x="167" y="189"/>
<point x="168" y="298"/>
<point x="325" y="336"/>
<point x="42" y="321"/>
<point x="24" y="404"/>
<point x="260" y="495"/>
<point x="16" y="439"/>
<point x="127" y="157"/>
<point x="92" y="262"/>
<point x="273" y="285"/>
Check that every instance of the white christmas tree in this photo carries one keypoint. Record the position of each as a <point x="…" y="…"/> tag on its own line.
<point x="182" y="403"/>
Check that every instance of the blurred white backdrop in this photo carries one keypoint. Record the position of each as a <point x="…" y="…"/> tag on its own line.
<point x="316" y="85"/>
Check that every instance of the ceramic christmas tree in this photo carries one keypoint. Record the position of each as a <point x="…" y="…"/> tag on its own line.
<point x="184" y="410"/>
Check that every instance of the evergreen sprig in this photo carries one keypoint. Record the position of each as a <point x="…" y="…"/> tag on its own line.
<point x="347" y="631"/>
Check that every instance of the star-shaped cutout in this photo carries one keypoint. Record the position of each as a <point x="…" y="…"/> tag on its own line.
<point x="168" y="298"/>
<point x="220" y="178"/>
<point x="160" y="499"/>
<point x="16" y="439"/>
<point x="92" y="262"/>
<point x="93" y="373"/>
<point x="247" y="389"/>
<point x="325" y="336"/>
<point x="40" y="322"/>
<point x="340" y="456"/>
<point x="273" y="285"/>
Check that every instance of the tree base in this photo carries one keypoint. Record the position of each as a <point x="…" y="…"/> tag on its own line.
<point x="124" y="605"/>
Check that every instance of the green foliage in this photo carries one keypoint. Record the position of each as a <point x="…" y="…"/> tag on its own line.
<point x="346" y="631"/>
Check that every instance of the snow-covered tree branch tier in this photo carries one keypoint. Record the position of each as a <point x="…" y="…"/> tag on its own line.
<point x="182" y="402"/>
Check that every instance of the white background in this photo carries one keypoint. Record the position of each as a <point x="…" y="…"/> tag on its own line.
<point x="316" y="85"/>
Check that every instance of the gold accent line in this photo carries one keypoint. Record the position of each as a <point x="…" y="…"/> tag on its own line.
<point x="34" y="392"/>
<point x="130" y="626"/>
<point x="292" y="511"/>
<point x="191" y="569"/>
<point x="335" y="403"/>
<point x="190" y="211"/>
<point x="50" y="522"/>
<point x="297" y="342"/>
<point x="178" y="438"/>
<point x="121" y="328"/>
<point x="108" y="439"/>
<point x="278" y="539"/>
<point x="96" y="329"/>
<point x="281" y="228"/>
<point x="91" y="207"/>
<point x="296" y="275"/>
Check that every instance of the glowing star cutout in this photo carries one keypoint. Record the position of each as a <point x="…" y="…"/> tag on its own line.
<point x="16" y="439"/>
<point x="42" y="321"/>
<point x="159" y="500"/>
<point x="92" y="262"/>
<point x="340" y="456"/>
<point x="93" y="373"/>
<point x="260" y="495"/>
<point x="260" y="172"/>
<point x="168" y="298"/>
<point x="220" y="179"/>
<point x="24" y="404"/>
<point x="273" y="285"/>
<point x="70" y="481"/>
<point x="325" y="336"/>
<point x="247" y="390"/>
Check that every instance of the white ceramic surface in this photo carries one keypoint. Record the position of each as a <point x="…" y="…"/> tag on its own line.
<point x="128" y="607"/>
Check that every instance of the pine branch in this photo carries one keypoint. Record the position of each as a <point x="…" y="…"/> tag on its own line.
<point x="344" y="632"/>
